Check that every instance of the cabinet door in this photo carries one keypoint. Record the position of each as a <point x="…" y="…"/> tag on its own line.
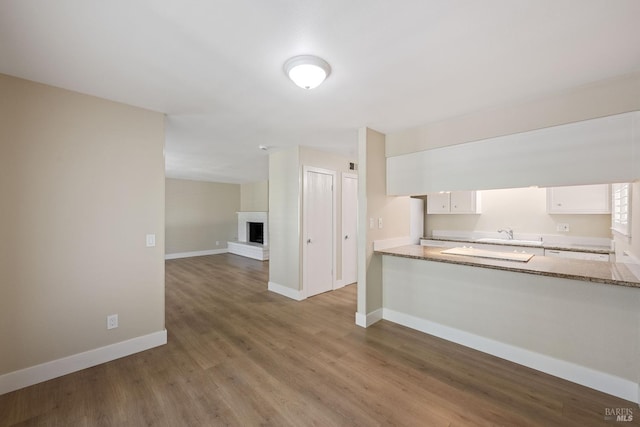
<point x="579" y="199"/>
<point x="463" y="202"/>
<point x="437" y="203"/>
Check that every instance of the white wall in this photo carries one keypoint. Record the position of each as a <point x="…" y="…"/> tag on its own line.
<point x="524" y="210"/>
<point x="631" y="244"/>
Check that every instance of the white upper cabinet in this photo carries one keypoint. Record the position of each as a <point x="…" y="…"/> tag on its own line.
<point x="438" y="203"/>
<point x="579" y="199"/>
<point x="455" y="202"/>
<point x="575" y="153"/>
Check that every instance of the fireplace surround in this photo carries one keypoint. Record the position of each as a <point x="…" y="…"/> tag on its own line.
<point x="253" y="236"/>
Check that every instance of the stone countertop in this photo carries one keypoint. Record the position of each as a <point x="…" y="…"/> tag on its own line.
<point x="595" y="249"/>
<point x="590" y="271"/>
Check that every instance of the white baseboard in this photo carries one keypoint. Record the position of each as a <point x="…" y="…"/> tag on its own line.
<point x="601" y="381"/>
<point x="57" y="368"/>
<point x="196" y="253"/>
<point x="286" y="291"/>
<point x="369" y="319"/>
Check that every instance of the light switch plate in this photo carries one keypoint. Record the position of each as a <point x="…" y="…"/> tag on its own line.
<point x="151" y="240"/>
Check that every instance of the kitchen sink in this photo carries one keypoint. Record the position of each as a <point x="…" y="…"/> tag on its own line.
<point x="511" y="242"/>
<point x="481" y="253"/>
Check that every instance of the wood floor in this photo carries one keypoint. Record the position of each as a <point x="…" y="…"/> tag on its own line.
<point x="239" y="355"/>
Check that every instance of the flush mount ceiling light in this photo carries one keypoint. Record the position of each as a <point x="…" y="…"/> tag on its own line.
<point x="307" y="71"/>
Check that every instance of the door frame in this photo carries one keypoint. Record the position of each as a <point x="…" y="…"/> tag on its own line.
<point x="347" y="175"/>
<point x="305" y="191"/>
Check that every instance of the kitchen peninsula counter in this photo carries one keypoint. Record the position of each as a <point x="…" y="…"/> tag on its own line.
<point x="598" y="272"/>
<point x="595" y="249"/>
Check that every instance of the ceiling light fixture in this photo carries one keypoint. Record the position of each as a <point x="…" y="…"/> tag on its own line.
<point x="307" y="71"/>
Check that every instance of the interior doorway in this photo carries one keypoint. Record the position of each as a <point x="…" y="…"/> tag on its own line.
<point x="318" y="231"/>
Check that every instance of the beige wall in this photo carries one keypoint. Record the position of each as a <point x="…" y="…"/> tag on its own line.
<point x="598" y="99"/>
<point x="586" y="324"/>
<point x="200" y="214"/>
<point x="82" y="183"/>
<point x="374" y="203"/>
<point x="524" y="210"/>
<point x="254" y="196"/>
<point x="284" y="218"/>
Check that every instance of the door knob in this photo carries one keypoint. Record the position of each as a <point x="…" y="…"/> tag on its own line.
<point x="346" y="237"/>
<point x="308" y="241"/>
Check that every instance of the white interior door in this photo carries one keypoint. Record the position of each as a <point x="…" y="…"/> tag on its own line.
<point x="318" y="245"/>
<point x="349" y="228"/>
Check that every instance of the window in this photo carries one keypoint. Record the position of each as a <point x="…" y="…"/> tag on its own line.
<point x="621" y="208"/>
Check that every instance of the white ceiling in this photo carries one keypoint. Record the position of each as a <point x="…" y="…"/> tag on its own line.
<point x="215" y="66"/>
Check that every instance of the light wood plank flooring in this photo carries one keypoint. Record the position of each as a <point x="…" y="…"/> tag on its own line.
<point x="239" y="355"/>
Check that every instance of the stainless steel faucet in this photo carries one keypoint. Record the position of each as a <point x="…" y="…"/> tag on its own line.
<point x="509" y="232"/>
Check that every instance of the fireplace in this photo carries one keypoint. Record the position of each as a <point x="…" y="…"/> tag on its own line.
<point x="253" y="227"/>
<point x="253" y="236"/>
<point x="255" y="232"/>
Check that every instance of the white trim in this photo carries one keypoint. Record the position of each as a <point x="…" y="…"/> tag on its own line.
<point x="380" y="245"/>
<point x="582" y="375"/>
<point x="249" y="250"/>
<point x="339" y="284"/>
<point x="57" y="368"/>
<point x="369" y="319"/>
<point x="344" y="177"/>
<point x="195" y="253"/>
<point x="286" y="291"/>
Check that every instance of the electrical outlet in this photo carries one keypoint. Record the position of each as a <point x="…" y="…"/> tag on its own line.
<point x="370" y="222"/>
<point x="112" y="321"/>
<point x="564" y="227"/>
<point x="217" y="243"/>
